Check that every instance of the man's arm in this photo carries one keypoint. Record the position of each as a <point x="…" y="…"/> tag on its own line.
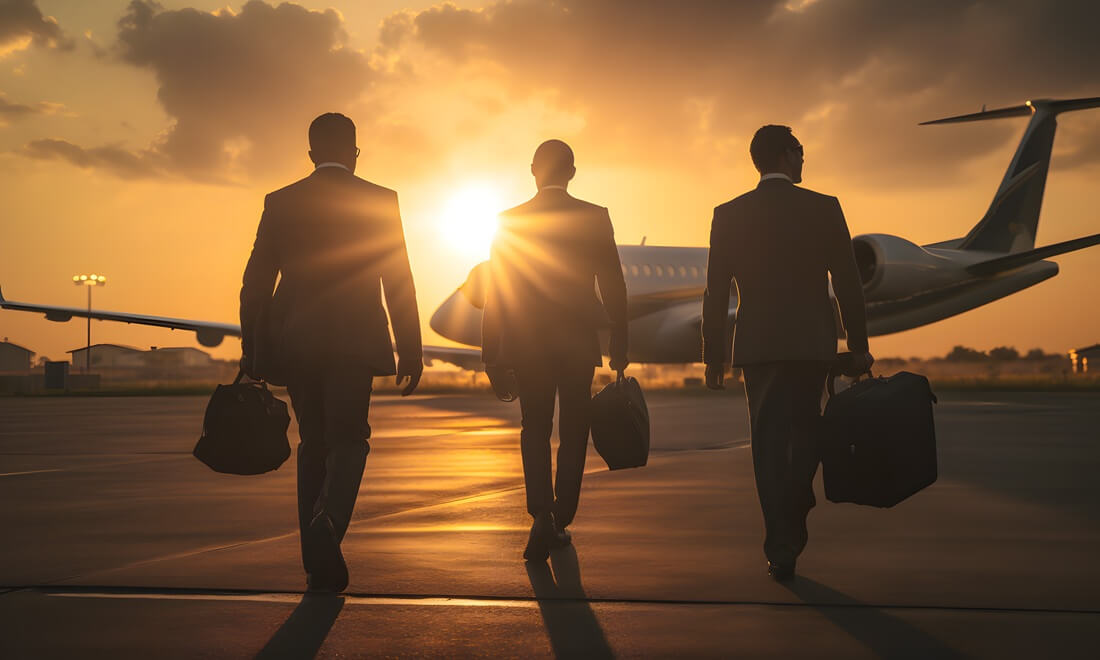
<point x="397" y="284"/>
<point x="258" y="284"/>
<point x="609" y="277"/>
<point x="841" y="261"/>
<point x="716" y="297"/>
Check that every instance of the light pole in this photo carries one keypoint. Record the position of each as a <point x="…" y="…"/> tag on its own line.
<point x="89" y="282"/>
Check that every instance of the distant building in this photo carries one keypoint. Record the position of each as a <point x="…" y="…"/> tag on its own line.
<point x="183" y="356"/>
<point x="14" y="357"/>
<point x="109" y="356"/>
<point x="117" y="362"/>
<point x="1086" y="357"/>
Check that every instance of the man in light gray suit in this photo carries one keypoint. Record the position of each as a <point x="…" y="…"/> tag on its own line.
<point x="780" y="243"/>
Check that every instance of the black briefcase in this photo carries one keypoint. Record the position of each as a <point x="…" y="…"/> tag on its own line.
<point x="244" y="430"/>
<point x="879" y="440"/>
<point x="620" y="424"/>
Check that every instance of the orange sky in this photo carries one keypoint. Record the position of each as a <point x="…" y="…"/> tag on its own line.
<point x="138" y="142"/>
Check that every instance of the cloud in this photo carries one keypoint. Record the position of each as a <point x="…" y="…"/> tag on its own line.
<point x="22" y="24"/>
<point x="240" y="88"/>
<point x="853" y="77"/>
<point x="116" y="160"/>
<point x="13" y="111"/>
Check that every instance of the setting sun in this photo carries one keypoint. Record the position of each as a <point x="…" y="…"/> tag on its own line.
<point x="468" y="220"/>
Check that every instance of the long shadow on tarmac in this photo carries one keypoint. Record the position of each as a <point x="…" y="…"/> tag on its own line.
<point x="885" y="636"/>
<point x="572" y="625"/>
<point x="304" y="631"/>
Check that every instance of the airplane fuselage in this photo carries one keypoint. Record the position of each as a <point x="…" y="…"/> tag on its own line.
<point x="908" y="287"/>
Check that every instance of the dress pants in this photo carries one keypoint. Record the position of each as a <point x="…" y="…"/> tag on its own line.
<point x="331" y="403"/>
<point x="537" y="385"/>
<point x="785" y="419"/>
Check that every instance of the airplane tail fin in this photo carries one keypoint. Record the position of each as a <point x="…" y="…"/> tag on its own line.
<point x="1012" y="220"/>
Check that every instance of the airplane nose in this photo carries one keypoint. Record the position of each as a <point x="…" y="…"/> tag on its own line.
<point x="458" y="320"/>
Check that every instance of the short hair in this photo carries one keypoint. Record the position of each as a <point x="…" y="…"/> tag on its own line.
<point x="769" y="144"/>
<point x="331" y="132"/>
<point x="553" y="160"/>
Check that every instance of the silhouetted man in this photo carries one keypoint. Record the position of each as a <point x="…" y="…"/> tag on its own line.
<point x="780" y="243"/>
<point x="541" y="319"/>
<point x="337" y="242"/>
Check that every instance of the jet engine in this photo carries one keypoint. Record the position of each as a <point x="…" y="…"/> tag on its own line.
<point x="891" y="267"/>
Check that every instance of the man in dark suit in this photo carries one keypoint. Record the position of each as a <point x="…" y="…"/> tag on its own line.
<point x="541" y="320"/>
<point x="336" y="241"/>
<point x="780" y="243"/>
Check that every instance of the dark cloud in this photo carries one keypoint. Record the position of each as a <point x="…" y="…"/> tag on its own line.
<point x="117" y="160"/>
<point x="853" y="77"/>
<point x="22" y="20"/>
<point x="240" y="88"/>
<point x="236" y="83"/>
<point x="10" y="110"/>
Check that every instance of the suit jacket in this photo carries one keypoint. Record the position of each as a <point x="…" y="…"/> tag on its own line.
<point x="336" y="241"/>
<point x="547" y="258"/>
<point x="780" y="242"/>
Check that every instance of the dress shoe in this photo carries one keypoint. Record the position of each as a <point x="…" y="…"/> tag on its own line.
<point x="781" y="572"/>
<point x="328" y="572"/>
<point x="544" y="537"/>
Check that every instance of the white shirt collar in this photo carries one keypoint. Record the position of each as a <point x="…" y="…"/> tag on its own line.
<point x="331" y="164"/>
<point x="553" y="187"/>
<point x="776" y="175"/>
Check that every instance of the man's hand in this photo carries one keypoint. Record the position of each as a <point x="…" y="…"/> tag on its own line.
<point x="716" y="376"/>
<point x="861" y="362"/>
<point x="410" y="371"/>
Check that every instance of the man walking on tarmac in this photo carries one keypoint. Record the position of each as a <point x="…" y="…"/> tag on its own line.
<point x="337" y="242"/>
<point x="780" y="243"/>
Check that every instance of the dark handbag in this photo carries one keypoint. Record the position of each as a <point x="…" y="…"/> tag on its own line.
<point x="620" y="424"/>
<point x="879" y="441"/>
<point x="244" y="430"/>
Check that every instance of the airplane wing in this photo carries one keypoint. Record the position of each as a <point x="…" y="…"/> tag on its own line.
<point x="210" y="333"/>
<point x="465" y="358"/>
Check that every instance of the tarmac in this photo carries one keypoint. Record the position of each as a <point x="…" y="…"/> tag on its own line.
<point x="118" y="543"/>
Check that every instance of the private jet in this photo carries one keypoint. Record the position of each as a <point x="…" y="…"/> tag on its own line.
<point x="906" y="285"/>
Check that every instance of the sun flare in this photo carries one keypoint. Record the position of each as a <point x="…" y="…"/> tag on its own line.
<point x="469" y="219"/>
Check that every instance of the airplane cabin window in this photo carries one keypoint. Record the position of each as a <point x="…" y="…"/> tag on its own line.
<point x="623" y="266"/>
<point x="660" y="273"/>
<point x="633" y="270"/>
<point x="683" y="272"/>
<point x="646" y="269"/>
<point x="694" y="271"/>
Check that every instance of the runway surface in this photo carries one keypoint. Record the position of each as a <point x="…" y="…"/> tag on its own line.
<point x="118" y="543"/>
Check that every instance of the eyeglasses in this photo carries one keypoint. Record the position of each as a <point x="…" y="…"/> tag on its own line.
<point x="799" y="150"/>
<point x="357" y="151"/>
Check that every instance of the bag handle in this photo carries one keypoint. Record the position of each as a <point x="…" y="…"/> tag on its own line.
<point x="834" y="373"/>
<point x="240" y="376"/>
